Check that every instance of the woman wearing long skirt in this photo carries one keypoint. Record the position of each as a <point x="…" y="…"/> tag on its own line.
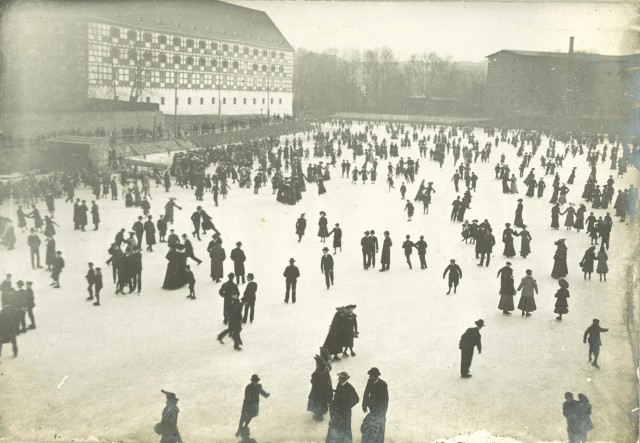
<point x="507" y="289"/>
<point x="514" y="184"/>
<point x="571" y="214"/>
<point x="560" y="260"/>
<point x="175" y="278"/>
<point x="321" y="188"/>
<point x="562" y="306"/>
<point x="555" y="216"/>
<point x="323" y="232"/>
<point x="527" y="303"/>
<point x="579" y="222"/>
<point x="525" y="245"/>
<point x="587" y="261"/>
<point x="602" y="268"/>
<point x="321" y="386"/>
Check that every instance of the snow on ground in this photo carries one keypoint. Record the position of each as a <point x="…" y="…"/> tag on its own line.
<point x="90" y="373"/>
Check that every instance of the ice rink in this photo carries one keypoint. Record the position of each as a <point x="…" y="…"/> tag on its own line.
<point x="95" y="373"/>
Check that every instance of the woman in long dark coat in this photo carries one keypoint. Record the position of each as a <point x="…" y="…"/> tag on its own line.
<point x="335" y="338"/>
<point x="560" y="260"/>
<point x="507" y="289"/>
<point x="527" y="303"/>
<point x="321" y="188"/>
<point x="385" y="256"/>
<point x="175" y="276"/>
<point x="525" y="244"/>
<point x="570" y="220"/>
<point x="251" y="403"/>
<point x="562" y="306"/>
<point x="507" y="239"/>
<point x="555" y="216"/>
<point x="168" y="210"/>
<point x="321" y="387"/>
<point x="602" y="268"/>
<point x="323" y="233"/>
<point x="518" y="222"/>
<point x="588" y="261"/>
<point x="218" y="256"/>
<point x="579" y="223"/>
<point x="49" y="226"/>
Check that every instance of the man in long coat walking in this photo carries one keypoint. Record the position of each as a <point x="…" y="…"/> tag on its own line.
<point x="238" y="257"/>
<point x="470" y="340"/>
<point x="150" y="233"/>
<point x="376" y="401"/>
<point x="218" y="256"/>
<point x="227" y="291"/>
<point x="291" y="274"/>
<point x="385" y="256"/>
<point x="344" y="398"/>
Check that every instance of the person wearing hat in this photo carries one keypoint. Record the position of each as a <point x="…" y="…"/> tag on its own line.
<point x="403" y="191"/>
<point x="168" y="426"/>
<point x="56" y="270"/>
<point x="375" y="401"/>
<point x="196" y="218"/>
<point x="507" y="239"/>
<point x="518" y="222"/>
<point x="8" y="323"/>
<point x="455" y="275"/>
<point x="91" y="280"/>
<point x="217" y="255"/>
<point x="251" y="403"/>
<point x="249" y="298"/>
<point x="326" y="266"/>
<point x="138" y="228"/>
<point x="337" y="238"/>
<point x="238" y="257"/>
<point x="188" y="249"/>
<point x="227" y="291"/>
<point x="507" y="289"/>
<point x="145" y="206"/>
<point x="168" y="210"/>
<point x="592" y="335"/>
<point x="301" y="225"/>
<point x="365" y="243"/>
<point x="173" y="241"/>
<point x="385" y="255"/>
<point x="560" y="260"/>
<point x="562" y="306"/>
<point x="529" y="286"/>
<point x="350" y="330"/>
<point x="235" y="323"/>
<point x="345" y="398"/>
<point x="82" y="215"/>
<point x="525" y="242"/>
<point x="408" y="246"/>
<point x="602" y="268"/>
<point x="470" y="339"/>
<point x="33" y="241"/>
<point x="161" y="224"/>
<point x="374" y="247"/>
<point x="588" y="261"/>
<point x="421" y="246"/>
<point x="323" y="233"/>
<point x="191" y="281"/>
<point x="291" y="274"/>
<point x="149" y="233"/>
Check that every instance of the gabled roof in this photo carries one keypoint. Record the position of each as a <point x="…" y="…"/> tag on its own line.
<point x="576" y="55"/>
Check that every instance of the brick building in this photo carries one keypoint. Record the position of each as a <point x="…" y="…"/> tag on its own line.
<point x="204" y="57"/>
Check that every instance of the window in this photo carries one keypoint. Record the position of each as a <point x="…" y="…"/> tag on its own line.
<point x="202" y="44"/>
<point x="234" y="101"/>
<point x="190" y="43"/>
<point x="207" y="79"/>
<point x="225" y="47"/>
<point x="183" y="78"/>
<point x="189" y="60"/>
<point x="273" y="68"/>
<point x="196" y="78"/>
<point x="202" y="61"/>
<point x="148" y="99"/>
<point x="177" y="101"/>
<point x="201" y="101"/>
<point x="255" y="67"/>
<point x="132" y="54"/>
<point x="244" y="101"/>
<point x="236" y="48"/>
<point x="155" y="76"/>
<point x="256" y="52"/>
<point x="280" y="101"/>
<point x="147" y="37"/>
<point x="214" y="46"/>
<point x="114" y="32"/>
<point x="271" y="101"/>
<point x="264" y="68"/>
<point x="162" y="100"/>
<point x="147" y="56"/>
<point x="281" y="55"/>
<point x="263" y="101"/>
<point x="176" y="59"/>
<point x="189" y="100"/>
<point x="213" y="100"/>
<point x="162" y="58"/>
<point x="132" y="35"/>
<point x="177" y="41"/>
<point x="214" y="63"/>
<point x="235" y="65"/>
<point x="162" y="39"/>
<point x="273" y="54"/>
<point x="245" y="50"/>
<point x="281" y="69"/>
<point x="225" y="63"/>
<point x="171" y="77"/>
<point x="123" y="75"/>
<point x="115" y="53"/>
<point x="254" y="101"/>
<point x="264" y="53"/>
<point x="224" y="101"/>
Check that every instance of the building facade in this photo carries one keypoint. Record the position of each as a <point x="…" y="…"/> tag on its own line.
<point x="554" y="84"/>
<point x="201" y="58"/>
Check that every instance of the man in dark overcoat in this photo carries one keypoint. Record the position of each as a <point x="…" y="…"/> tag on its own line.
<point x="150" y="233"/>
<point x="291" y="274"/>
<point x="238" y="257"/>
<point x="188" y="249"/>
<point x="374" y="247"/>
<point x="218" y="256"/>
<point x="469" y="340"/>
<point x="344" y="399"/>
<point x="251" y="403"/>
<point x="301" y="225"/>
<point x="227" y="291"/>
<point x="365" y="243"/>
<point x="326" y="267"/>
<point x="455" y="274"/>
<point x="376" y="401"/>
<point x="592" y="335"/>
<point x="385" y="256"/>
<point x="195" y="219"/>
<point x="83" y="220"/>
<point x="421" y="245"/>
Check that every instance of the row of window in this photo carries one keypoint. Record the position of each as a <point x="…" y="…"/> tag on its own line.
<point x="213" y="101"/>
<point x="132" y="35"/>
<point x="177" y="59"/>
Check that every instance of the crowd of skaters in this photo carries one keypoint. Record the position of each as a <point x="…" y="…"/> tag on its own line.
<point x="236" y="163"/>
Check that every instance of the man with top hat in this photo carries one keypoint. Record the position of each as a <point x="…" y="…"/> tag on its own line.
<point x="326" y="267"/>
<point x="592" y="335"/>
<point x="168" y="426"/>
<point x="375" y="401"/>
<point x="470" y="340"/>
<point x="227" y="291"/>
<point x="301" y="225"/>
<point x="385" y="256"/>
<point x="251" y="403"/>
<point x="238" y="258"/>
<point x="344" y="399"/>
<point x="291" y="274"/>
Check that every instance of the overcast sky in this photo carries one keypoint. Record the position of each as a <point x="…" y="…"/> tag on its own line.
<point x="465" y="31"/>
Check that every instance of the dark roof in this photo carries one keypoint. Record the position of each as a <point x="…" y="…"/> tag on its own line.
<point x="579" y="55"/>
<point x="211" y="19"/>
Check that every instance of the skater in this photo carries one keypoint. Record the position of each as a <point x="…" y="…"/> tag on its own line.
<point x="238" y="257"/>
<point x="592" y="335"/>
<point x="602" y="268"/>
<point x="168" y="426"/>
<point x="337" y="238"/>
<point x="301" y="225"/>
<point x="291" y="274"/>
<point x="518" y="222"/>
<point x="528" y="285"/>
<point x="570" y="411"/>
<point x="97" y="286"/>
<point x="149" y="233"/>
<point x="560" y="260"/>
<point x="507" y="289"/>
<point x="321" y="386"/>
<point x="385" y="256"/>
<point x="470" y="339"/>
<point x="525" y="244"/>
<point x="249" y="298"/>
<point x="191" y="281"/>
<point x="34" y="249"/>
<point x="323" y="233"/>
<point x="562" y="306"/>
<point x="326" y="267"/>
<point x="408" y="246"/>
<point x="376" y="401"/>
<point x="587" y="261"/>
<point x="410" y="209"/>
<point x="455" y="275"/>
<point x="344" y="399"/>
<point x="217" y="256"/>
<point x="227" y="291"/>
<point x="56" y="270"/>
<point x="421" y="246"/>
<point x="91" y="280"/>
<point x="251" y="403"/>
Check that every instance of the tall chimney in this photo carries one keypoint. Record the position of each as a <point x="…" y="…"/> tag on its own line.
<point x="571" y="45"/>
